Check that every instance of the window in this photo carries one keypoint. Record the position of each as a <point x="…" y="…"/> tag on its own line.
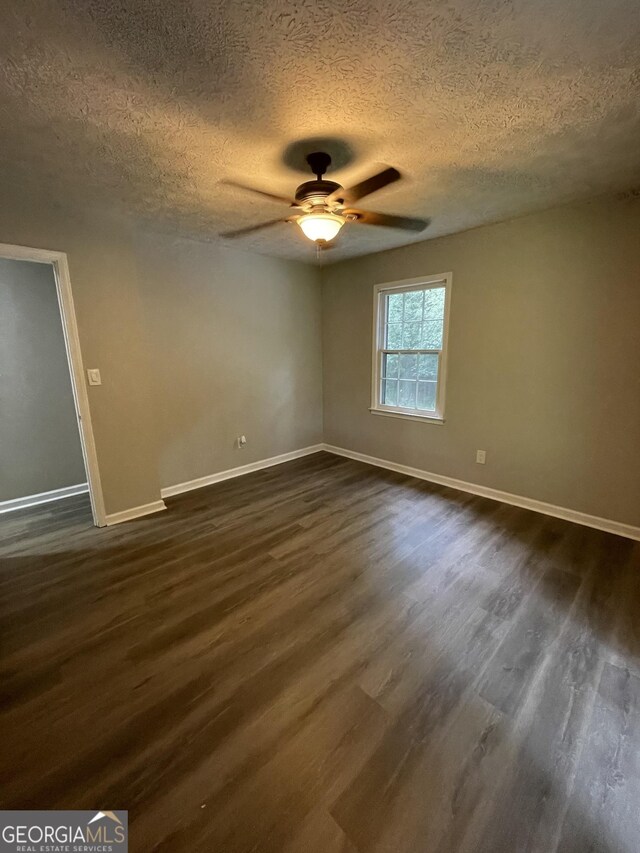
<point x="410" y="345"/>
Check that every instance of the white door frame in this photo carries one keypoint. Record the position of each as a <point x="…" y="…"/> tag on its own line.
<point x="58" y="260"/>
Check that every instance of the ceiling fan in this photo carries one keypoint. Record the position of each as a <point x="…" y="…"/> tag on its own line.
<point x="325" y="206"/>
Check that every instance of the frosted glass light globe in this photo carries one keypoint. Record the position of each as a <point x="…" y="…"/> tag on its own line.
<point x="320" y="226"/>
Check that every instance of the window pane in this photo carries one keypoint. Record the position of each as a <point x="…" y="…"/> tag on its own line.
<point x="394" y="308"/>
<point x="426" y="396"/>
<point x="432" y="335"/>
<point x="411" y="336"/>
<point x="394" y="336"/>
<point x="413" y="306"/>
<point x="407" y="394"/>
<point x="408" y="366"/>
<point x="434" y="303"/>
<point x="428" y="367"/>
<point x="390" y="366"/>
<point x="390" y="392"/>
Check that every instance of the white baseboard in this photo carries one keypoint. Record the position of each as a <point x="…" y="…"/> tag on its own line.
<point x="135" y="512"/>
<point x="179" y="488"/>
<point x="583" y="518"/>
<point x="43" y="497"/>
<point x="605" y="524"/>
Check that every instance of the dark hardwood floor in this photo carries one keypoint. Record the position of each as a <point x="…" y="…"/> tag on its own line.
<point x="325" y="657"/>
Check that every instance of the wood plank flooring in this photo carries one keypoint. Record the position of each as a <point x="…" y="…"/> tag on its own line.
<point x="325" y="657"/>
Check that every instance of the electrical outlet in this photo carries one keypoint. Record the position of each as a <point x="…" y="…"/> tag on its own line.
<point x="481" y="456"/>
<point x="241" y="442"/>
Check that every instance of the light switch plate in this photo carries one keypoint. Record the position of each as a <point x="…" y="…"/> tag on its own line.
<point x="94" y="376"/>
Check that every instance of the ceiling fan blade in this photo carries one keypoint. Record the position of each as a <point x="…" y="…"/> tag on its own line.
<point x="240" y="232"/>
<point x="370" y="217"/>
<point x="368" y="186"/>
<point x="271" y="196"/>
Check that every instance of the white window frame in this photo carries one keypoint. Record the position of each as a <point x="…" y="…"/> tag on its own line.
<point x="380" y="291"/>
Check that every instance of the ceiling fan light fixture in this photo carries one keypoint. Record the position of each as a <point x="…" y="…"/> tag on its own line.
<point x="320" y="226"/>
<point x="322" y="205"/>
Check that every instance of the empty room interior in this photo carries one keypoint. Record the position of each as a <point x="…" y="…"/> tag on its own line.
<point x="320" y="426"/>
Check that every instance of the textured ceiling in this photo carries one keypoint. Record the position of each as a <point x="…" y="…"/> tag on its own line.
<point x="491" y="108"/>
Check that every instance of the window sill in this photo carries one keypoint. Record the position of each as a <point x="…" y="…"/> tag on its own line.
<point x="407" y="416"/>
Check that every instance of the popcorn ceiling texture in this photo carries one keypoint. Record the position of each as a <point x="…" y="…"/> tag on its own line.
<point x="491" y="108"/>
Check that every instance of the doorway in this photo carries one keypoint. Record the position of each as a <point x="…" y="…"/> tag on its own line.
<point x="68" y="406"/>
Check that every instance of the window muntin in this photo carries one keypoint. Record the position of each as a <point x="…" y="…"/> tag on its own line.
<point x="409" y="358"/>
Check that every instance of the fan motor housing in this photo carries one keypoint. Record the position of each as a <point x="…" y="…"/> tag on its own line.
<point x="316" y="189"/>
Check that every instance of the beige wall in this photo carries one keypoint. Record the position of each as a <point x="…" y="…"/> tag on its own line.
<point x="154" y="419"/>
<point x="544" y="359"/>
<point x="39" y="441"/>
<point x="112" y="338"/>
<point x="236" y="348"/>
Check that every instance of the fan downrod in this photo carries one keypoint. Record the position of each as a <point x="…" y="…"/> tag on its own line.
<point x="319" y="162"/>
<point x="317" y="191"/>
